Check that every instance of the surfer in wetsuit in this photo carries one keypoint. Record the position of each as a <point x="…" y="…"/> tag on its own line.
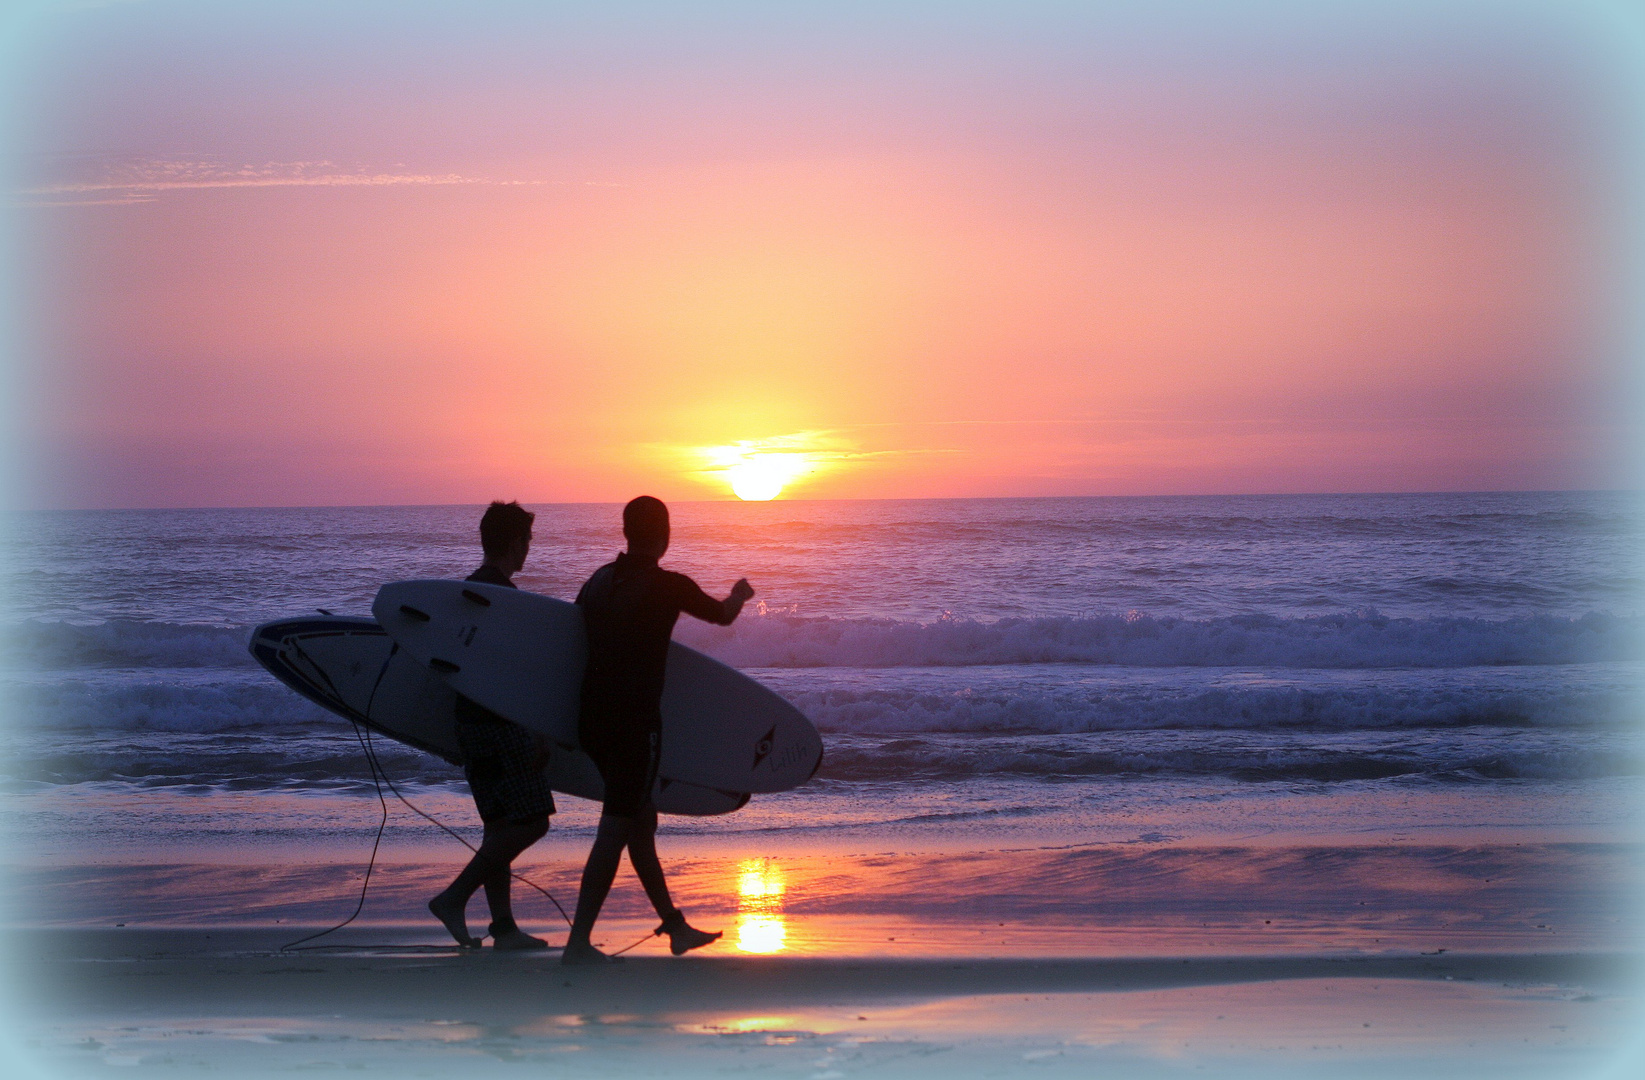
<point x="504" y="766"/>
<point x="630" y="607"/>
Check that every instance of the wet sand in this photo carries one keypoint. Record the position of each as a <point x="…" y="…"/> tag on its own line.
<point x="163" y="1001"/>
<point x="1094" y="900"/>
<point x="1415" y="956"/>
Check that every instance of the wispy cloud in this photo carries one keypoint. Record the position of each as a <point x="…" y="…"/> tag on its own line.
<point x="815" y="447"/>
<point x="145" y="180"/>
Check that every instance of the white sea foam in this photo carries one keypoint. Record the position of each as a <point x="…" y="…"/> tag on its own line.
<point x="967" y="658"/>
<point x="156" y="703"/>
<point x="1348" y="640"/>
<point x="1461" y="757"/>
<point x="264" y="759"/>
<point x="44" y="644"/>
<point x="1168" y="707"/>
<point x="1054" y="699"/>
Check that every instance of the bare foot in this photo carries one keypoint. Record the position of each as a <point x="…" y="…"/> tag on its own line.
<point x="516" y="940"/>
<point x="578" y="955"/>
<point x="451" y="915"/>
<point x="683" y="937"/>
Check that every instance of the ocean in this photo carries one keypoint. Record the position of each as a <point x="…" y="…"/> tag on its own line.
<point x="1148" y="686"/>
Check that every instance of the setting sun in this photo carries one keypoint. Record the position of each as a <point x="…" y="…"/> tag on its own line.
<point x="759" y="470"/>
<point x="762" y="477"/>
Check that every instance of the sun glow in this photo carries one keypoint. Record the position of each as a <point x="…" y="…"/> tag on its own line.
<point x="759" y="470"/>
<point x="762" y="477"/>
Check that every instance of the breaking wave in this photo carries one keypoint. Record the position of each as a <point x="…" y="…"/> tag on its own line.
<point x="124" y="643"/>
<point x="882" y="703"/>
<point x="225" y="704"/>
<point x="1461" y="760"/>
<point x="1350" y="640"/>
<point x="1357" y="640"/>
<point x="332" y="760"/>
<point x="1161" y="707"/>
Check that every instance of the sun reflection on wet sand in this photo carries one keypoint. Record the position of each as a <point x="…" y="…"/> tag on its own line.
<point x="1543" y="1020"/>
<point x="761" y="927"/>
<point x="1293" y="1023"/>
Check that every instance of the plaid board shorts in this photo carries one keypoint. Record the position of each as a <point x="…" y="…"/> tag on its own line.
<point x="499" y="760"/>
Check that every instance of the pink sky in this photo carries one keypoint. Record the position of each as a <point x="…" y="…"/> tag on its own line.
<point x="302" y="257"/>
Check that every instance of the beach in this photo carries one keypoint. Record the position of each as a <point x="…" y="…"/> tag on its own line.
<point x="1180" y="462"/>
<point x="1417" y="957"/>
<point x="165" y="1002"/>
<point x="1335" y="785"/>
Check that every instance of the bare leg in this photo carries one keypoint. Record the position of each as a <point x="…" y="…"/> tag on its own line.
<point x="498" y="883"/>
<point x="500" y="900"/>
<point x="642" y="855"/>
<point x="598" y="874"/>
<point x="505" y="933"/>
<point x="502" y="842"/>
<point x="638" y="835"/>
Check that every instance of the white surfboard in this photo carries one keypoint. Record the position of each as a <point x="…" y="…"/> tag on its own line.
<point x="352" y="668"/>
<point x="521" y="655"/>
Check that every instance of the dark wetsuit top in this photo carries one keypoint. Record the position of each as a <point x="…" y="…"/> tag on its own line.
<point x="490" y="575"/>
<point x="629" y="609"/>
<point x="499" y="756"/>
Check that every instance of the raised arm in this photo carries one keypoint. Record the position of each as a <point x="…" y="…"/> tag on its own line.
<point x="698" y="604"/>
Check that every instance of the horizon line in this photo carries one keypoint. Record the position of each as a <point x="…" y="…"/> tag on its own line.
<point x="925" y="498"/>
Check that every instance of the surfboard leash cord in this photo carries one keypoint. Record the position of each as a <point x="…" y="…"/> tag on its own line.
<point x="377" y="841"/>
<point x="371" y="753"/>
<point x="377" y="784"/>
<point x="379" y="777"/>
<point x="378" y="770"/>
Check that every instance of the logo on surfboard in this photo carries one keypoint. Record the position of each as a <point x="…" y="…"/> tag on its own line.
<point x="762" y="749"/>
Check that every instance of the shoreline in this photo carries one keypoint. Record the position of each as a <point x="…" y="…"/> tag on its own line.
<point x="1084" y="900"/>
<point x="224" y="970"/>
<point x="160" y="1000"/>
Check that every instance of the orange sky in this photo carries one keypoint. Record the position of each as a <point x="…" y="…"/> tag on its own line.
<point x="563" y="261"/>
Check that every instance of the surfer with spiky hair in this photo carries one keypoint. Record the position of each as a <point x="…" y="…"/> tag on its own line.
<point x="503" y="763"/>
<point x="629" y="608"/>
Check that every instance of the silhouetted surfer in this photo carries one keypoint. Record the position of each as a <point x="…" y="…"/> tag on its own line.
<point x="504" y="765"/>
<point x="630" y="607"/>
